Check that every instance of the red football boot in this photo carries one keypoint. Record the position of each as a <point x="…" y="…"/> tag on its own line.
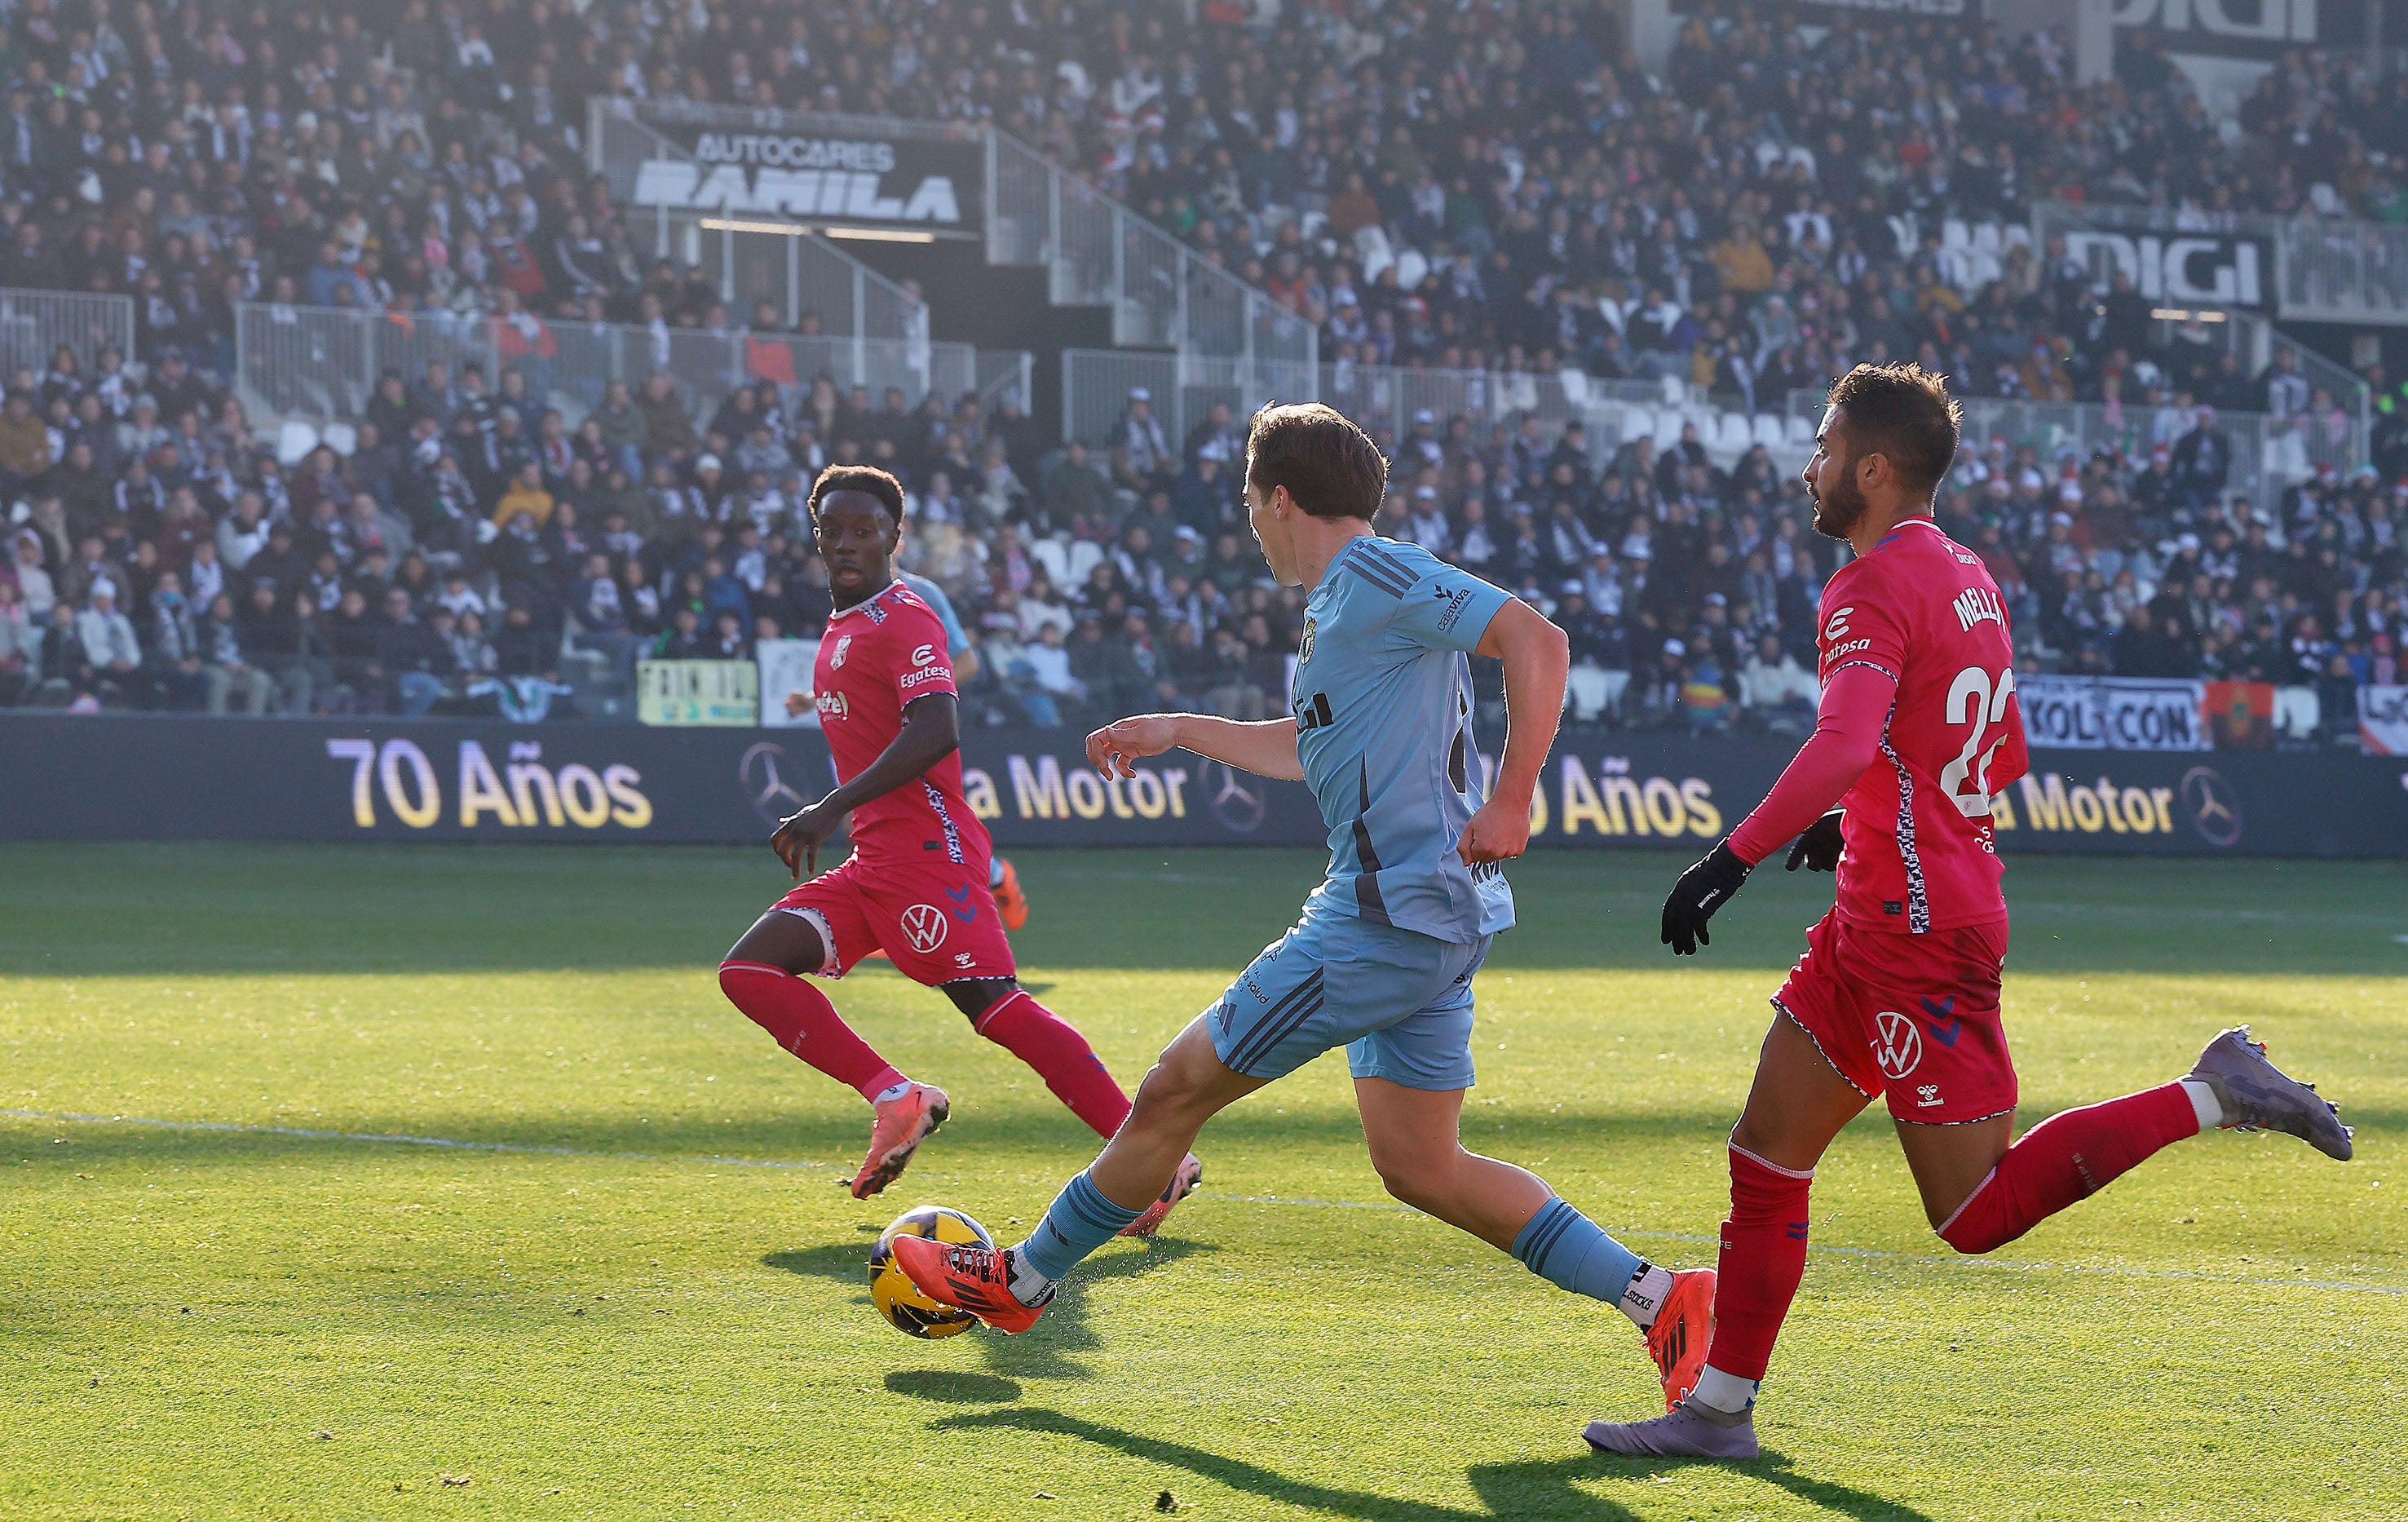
<point x="968" y="1278"/>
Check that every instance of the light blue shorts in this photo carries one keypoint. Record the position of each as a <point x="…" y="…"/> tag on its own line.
<point x="1399" y="1001"/>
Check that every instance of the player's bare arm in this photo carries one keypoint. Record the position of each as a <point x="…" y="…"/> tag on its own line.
<point x="931" y="732"/>
<point x="1537" y="660"/>
<point x="1267" y="749"/>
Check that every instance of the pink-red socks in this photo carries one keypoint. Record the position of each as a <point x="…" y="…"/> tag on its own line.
<point x="2068" y="1157"/>
<point x="806" y="1023"/>
<point x="1763" y="1257"/>
<point x="1051" y="1045"/>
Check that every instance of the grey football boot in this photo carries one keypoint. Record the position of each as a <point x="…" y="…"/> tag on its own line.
<point x="2257" y="1095"/>
<point x="1688" y="1430"/>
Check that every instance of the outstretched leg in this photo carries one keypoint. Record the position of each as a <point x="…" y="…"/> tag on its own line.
<point x="1980" y="1194"/>
<point x="1009" y="1289"/>
<point x="1416" y="1138"/>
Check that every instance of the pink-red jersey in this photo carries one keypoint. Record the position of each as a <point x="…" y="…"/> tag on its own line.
<point x="876" y="657"/>
<point x="1920" y="854"/>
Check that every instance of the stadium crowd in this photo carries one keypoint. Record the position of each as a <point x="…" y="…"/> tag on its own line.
<point x="1727" y="224"/>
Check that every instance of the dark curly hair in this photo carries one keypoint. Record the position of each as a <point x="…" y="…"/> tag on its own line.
<point x="858" y="478"/>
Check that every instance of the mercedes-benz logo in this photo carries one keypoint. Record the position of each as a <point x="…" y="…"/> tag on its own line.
<point x="2214" y="806"/>
<point x="1236" y="798"/>
<point x="772" y="798"/>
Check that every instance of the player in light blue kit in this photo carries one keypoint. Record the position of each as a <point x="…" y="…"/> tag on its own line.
<point x="1383" y="960"/>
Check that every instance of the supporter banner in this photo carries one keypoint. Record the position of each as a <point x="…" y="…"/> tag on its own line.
<point x="697" y="693"/>
<point x="2113" y="714"/>
<point x="858" y="177"/>
<point x="2382" y="720"/>
<point x="786" y="667"/>
<point x="2240" y="715"/>
<point x="145" y="777"/>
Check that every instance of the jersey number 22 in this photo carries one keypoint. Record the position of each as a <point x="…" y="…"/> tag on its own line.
<point x="1974" y="701"/>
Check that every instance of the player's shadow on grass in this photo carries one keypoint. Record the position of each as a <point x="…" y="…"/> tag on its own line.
<point x="1506" y="1490"/>
<point x="957" y="1386"/>
<point x="1044" y="1351"/>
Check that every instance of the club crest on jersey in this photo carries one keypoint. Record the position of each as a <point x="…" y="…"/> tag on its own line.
<point x="1900" y="1046"/>
<point x="923" y="926"/>
<point x="1304" y="646"/>
<point x="843" y="648"/>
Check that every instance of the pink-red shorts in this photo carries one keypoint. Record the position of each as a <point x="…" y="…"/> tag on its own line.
<point x="936" y="923"/>
<point x="1912" y="1017"/>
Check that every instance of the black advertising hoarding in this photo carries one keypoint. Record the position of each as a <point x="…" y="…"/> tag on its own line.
<point x="2180" y="268"/>
<point x="144" y="777"/>
<point x="854" y="177"/>
<point x="2243" y="29"/>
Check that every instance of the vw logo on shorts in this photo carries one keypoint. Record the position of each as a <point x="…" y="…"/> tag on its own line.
<point x="923" y="925"/>
<point x="1236" y="798"/>
<point x="772" y="798"/>
<point x="1900" y="1051"/>
<point x="2214" y="806"/>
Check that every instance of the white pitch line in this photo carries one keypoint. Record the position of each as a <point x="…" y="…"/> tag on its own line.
<point x="450" y="1142"/>
<point x="456" y="1144"/>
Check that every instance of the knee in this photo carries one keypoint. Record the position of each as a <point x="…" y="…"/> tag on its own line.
<point x="1169" y="1089"/>
<point x="1415" y="1178"/>
<point x="1975" y="1226"/>
<point x="980" y="999"/>
<point x="734" y="975"/>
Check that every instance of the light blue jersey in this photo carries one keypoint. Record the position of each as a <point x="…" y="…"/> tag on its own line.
<point x="1382" y="705"/>
<point x="957" y="637"/>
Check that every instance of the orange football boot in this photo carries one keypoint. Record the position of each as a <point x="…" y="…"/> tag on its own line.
<point x="1685" y="1326"/>
<point x="968" y="1278"/>
<point x="1182" y="1184"/>
<point x="903" y="1123"/>
<point x="1011" y="903"/>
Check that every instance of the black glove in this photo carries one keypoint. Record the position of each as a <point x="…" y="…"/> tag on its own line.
<point x="1702" y="889"/>
<point x="1818" y="848"/>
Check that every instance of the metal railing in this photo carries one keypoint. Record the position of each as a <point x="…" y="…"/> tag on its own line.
<point x="1182" y="389"/>
<point x="323" y="364"/>
<point x="1006" y="375"/>
<point x="1099" y="253"/>
<point x="753" y="257"/>
<point x="2334" y="270"/>
<point x="35" y="325"/>
<point x="2332" y="427"/>
<point x="2265" y="456"/>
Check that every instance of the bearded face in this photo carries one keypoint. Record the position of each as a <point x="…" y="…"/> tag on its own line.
<point x="1840" y="503"/>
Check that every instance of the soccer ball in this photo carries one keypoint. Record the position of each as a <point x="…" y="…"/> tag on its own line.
<point x="897" y="1299"/>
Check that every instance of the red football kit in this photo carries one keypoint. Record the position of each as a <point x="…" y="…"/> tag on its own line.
<point x="916" y="884"/>
<point x="1900" y="982"/>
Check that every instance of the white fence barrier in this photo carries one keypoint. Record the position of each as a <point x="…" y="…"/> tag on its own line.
<point x="323" y="363"/>
<point x="35" y="325"/>
<point x="1182" y="390"/>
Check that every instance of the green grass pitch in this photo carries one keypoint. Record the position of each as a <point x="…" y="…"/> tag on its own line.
<point x="642" y="1296"/>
